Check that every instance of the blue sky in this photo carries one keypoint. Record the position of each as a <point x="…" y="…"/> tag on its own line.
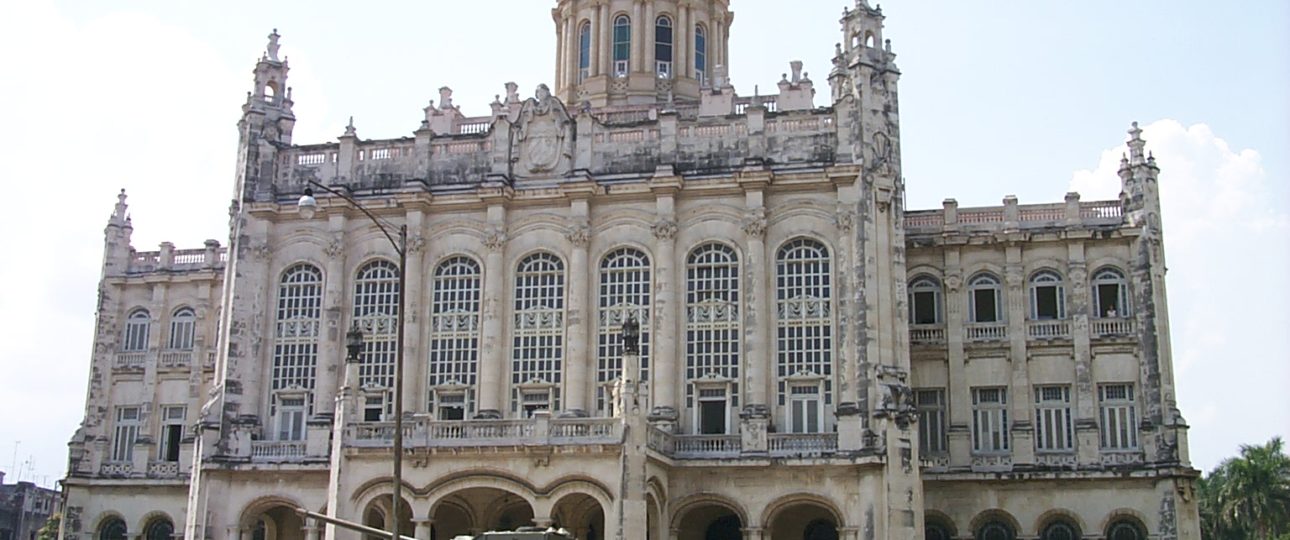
<point x="1009" y="97"/>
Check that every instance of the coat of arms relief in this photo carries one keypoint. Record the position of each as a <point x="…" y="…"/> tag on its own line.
<point x="542" y="138"/>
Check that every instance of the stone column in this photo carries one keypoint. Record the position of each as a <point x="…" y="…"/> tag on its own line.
<point x="648" y="40"/>
<point x="664" y="320"/>
<point x="414" y="368"/>
<point x="331" y="349"/>
<point x="753" y="533"/>
<point x="757" y="316"/>
<point x="682" y="59"/>
<point x="605" y="38"/>
<point x="576" y="363"/>
<point x="596" y="30"/>
<point x="1085" y="395"/>
<point x="638" y="37"/>
<point x="423" y="528"/>
<point x="1020" y="400"/>
<point x="493" y="352"/>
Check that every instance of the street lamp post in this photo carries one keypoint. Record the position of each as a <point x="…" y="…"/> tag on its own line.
<point x="398" y="237"/>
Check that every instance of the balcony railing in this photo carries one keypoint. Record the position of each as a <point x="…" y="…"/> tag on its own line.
<point x="130" y="360"/>
<point x="116" y="468"/>
<point x="1113" y="458"/>
<point x="926" y="334"/>
<point x="175" y="359"/>
<point x="1048" y="329"/>
<point x="707" y="446"/>
<point x="1107" y="328"/>
<point x="992" y="462"/>
<point x="277" y="450"/>
<point x="802" y="444"/>
<point x="996" y="331"/>
<point x="426" y="432"/>
<point x="163" y="469"/>
<point x="935" y="461"/>
<point x="1056" y="460"/>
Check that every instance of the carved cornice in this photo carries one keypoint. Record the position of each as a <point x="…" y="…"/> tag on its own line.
<point x="496" y="239"/>
<point x="755" y="222"/>
<point x="665" y="229"/>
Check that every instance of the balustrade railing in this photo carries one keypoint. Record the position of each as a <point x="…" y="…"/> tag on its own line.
<point x="424" y="431"/>
<point x="606" y="429"/>
<point x="163" y="469"/>
<point x="707" y="446"/>
<point x="116" y="468"/>
<point x="935" y="461"/>
<point x="130" y="360"/>
<point x="661" y="441"/>
<point x="1059" y="460"/>
<point x="175" y="359"/>
<point x="802" y="444"/>
<point x="926" y="334"/>
<point x="1048" y="329"/>
<point x="1113" y="458"/>
<point x="992" y="462"/>
<point x="1104" y="328"/>
<point x="277" y="450"/>
<point x="987" y="331"/>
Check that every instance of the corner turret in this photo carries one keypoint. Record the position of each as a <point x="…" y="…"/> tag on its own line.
<point x="116" y="239"/>
<point x="266" y="125"/>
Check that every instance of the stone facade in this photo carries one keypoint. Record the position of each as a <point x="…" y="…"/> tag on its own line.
<point x="816" y="361"/>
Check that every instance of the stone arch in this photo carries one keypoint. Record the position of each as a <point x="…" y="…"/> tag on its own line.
<point x="628" y="218"/>
<point x="778" y="523"/>
<point x="1061" y="514"/>
<point x="260" y="505"/>
<point x="376" y="513"/>
<point x="479" y="479"/>
<point x="580" y="513"/>
<point x="473" y="228"/>
<point x="352" y="272"/>
<point x="540" y="221"/>
<point x="277" y="512"/>
<point x="152" y="517"/>
<point x="566" y="486"/>
<point x="942" y="520"/>
<point x="995" y="514"/>
<point x="1122" y="514"/>
<point x="689" y="504"/>
<point x="104" y="519"/>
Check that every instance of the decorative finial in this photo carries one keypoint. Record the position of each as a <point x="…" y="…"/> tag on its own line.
<point x="273" y="45"/>
<point x="119" y="215"/>
<point x="349" y="129"/>
<point x="1137" y="146"/>
<point x="796" y="66"/>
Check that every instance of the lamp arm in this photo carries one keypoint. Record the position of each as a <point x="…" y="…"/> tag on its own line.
<point x="380" y="223"/>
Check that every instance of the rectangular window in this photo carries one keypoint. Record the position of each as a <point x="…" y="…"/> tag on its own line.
<point x="172" y="432"/>
<point x="534" y="401"/>
<point x="712" y="411"/>
<point x="804" y="409"/>
<point x="924" y="308"/>
<point x="1119" y="417"/>
<point x="990" y="420"/>
<point x="985" y="306"/>
<point x="1053" y="419"/>
<point x="1108" y="301"/>
<point x="374" y="409"/>
<point x="1047" y="303"/>
<point x="291" y="419"/>
<point x="452" y="406"/>
<point x="127" y="430"/>
<point x="931" y="420"/>
<point x="181" y="334"/>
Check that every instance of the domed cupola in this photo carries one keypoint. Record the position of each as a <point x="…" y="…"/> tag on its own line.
<point x="620" y="52"/>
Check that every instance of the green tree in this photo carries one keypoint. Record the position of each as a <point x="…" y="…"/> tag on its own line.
<point x="1248" y="496"/>
<point x="50" y="530"/>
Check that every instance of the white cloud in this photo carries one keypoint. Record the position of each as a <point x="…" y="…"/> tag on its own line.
<point x="1226" y="245"/>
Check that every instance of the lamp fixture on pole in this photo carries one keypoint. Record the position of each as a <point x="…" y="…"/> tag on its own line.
<point x="398" y="237"/>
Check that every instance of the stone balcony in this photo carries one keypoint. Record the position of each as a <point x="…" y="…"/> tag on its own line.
<point x="778" y="445"/>
<point x="422" y="431"/>
<point x="1013" y="216"/>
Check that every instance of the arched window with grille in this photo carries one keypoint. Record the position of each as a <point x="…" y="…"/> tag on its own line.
<point x="925" y="306"/>
<point x="537" y="356"/>
<point x="295" y="349"/>
<point x="1110" y="294"/>
<point x="1047" y="296"/>
<point x="624" y="292"/>
<point x="454" y="338"/>
<point x="712" y="336"/>
<point x="1125" y="529"/>
<point x="376" y="313"/>
<point x="700" y="53"/>
<point x="804" y="337"/>
<point x="995" y="530"/>
<point x="1060" y="530"/>
<point x="135" y="336"/>
<point x="112" y="529"/>
<point x="985" y="298"/>
<point x="584" y="51"/>
<point x="663" y="47"/>
<point x="183" y="325"/>
<point x="622" y="45"/>
<point x="159" y="529"/>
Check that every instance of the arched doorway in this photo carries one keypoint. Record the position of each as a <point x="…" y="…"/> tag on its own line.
<point x="378" y="514"/>
<point x="710" y="521"/>
<point x="277" y="522"/>
<point x="474" y="511"/>
<point x="805" y="520"/>
<point x="653" y="531"/>
<point x="581" y="515"/>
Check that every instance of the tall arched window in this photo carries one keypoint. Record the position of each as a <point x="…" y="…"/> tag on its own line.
<point x="663" y="47"/>
<point x="538" y="342"/>
<point x="584" y="51"/>
<point x="1047" y="296"/>
<point x="712" y="336"/>
<point x="804" y="294"/>
<point x="454" y="338"/>
<point x="995" y="530"/>
<point x="159" y="529"/>
<point x="376" y="313"/>
<point x="700" y="53"/>
<point x="985" y="299"/>
<point x="183" y="324"/>
<point x="112" y="529"/>
<point x="1060" y="530"/>
<point x="622" y="45"/>
<point x="135" y="336"/>
<point x="925" y="301"/>
<point x="1110" y="294"/>
<point x="295" y="349"/>
<point x="624" y="291"/>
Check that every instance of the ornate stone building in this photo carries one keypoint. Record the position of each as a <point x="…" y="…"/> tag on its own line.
<point x="817" y="361"/>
